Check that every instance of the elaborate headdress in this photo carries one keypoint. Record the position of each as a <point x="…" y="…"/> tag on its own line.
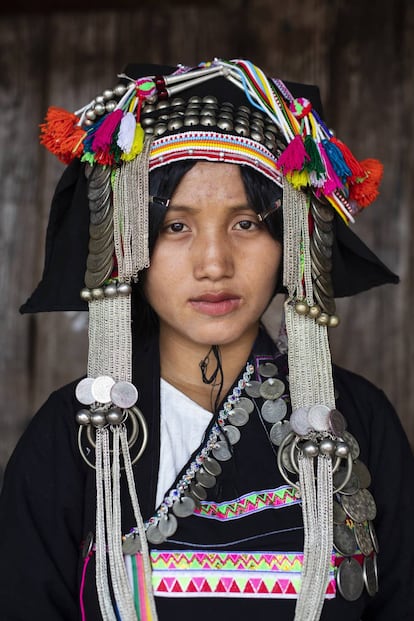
<point x="98" y="243"/>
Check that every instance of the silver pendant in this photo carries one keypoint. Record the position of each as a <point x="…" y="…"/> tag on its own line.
<point x="350" y="579"/>
<point x="272" y="388"/>
<point x="274" y="410"/>
<point x="344" y="539"/>
<point x="268" y="369"/>
<point x="184" y="506"/>
<point x="168" y="525"/>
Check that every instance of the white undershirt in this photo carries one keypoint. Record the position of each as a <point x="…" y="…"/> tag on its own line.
<point x="183" y="423"/>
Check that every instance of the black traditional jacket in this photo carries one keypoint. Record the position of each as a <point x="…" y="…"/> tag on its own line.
<point x="239" y="555"/>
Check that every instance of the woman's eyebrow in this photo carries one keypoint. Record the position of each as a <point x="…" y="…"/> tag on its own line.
<point x="193" y="210"/>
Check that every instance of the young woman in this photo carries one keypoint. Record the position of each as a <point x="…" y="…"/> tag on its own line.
<point x="200" y="469"/>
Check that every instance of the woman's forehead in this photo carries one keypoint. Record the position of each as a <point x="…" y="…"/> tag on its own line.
<point x="211" y="181"/>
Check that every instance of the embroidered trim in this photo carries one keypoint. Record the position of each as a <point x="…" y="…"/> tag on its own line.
<point x="230" y="574"/>
<point x="214" y="146"/>
<point x="250" y="503"/>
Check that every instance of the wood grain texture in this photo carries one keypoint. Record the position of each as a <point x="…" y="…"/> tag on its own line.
<point x="362" y="59"/>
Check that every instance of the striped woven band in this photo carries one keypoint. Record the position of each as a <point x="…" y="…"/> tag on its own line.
<point x="214" y="147"/>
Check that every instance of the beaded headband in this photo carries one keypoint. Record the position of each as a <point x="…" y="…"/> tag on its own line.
<point x="142" y="124"/>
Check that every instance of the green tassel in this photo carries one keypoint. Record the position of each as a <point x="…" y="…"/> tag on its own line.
<point x="315" y="163"/>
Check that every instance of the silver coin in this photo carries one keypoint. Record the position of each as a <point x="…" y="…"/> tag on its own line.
<point x="374" y="537"/>
<point x="168" y="525"/>
<point x="369" y="571"/>
<point x="212" y="466"/>
<point x="95" y="262"/>
<point x="253" y="389"/>
<point x="101" y="388"/>
<point x="363" y="538"/>
<point x="221" y="451"/>
<point x="83" y="391"/>
<point x="96" y="279"/>
<point x="337" y="423"/>
<point x="154" y="534"/>
<point x="351" y="486"/>
<point x="286" y="460"/>
<point x="362" y="472"/>
<point x="370" y="504"/>
<point x="272" y="388"/>
<point x="233" y="433"/>
<point x="267" y="369"/>
<point x="318" y="417"/>
<point x="352" y="443"/>
<point x="274" y="410"/>
<point x="198" y="491"/>
<point x="205" y="478"/>
<point x="360" y="506"/>
<point x="100" y="215"/>
<point x="97" y="231"/>
<point x="131" y="545"/>
<point x="323" y="212"/>
<point x="324" y="264"/>
<point x="344" y="539"/>
<point x="325" y="302"/>
<point x="238" y="416"/>
<point x="184" y="506"/>
<point x="96" y="246"/>
<point x="299" y="421"/>
<point x="350" y="579"/>
<point x="279" y="431"/>
<point x="339" y="515"/>
<point x="124" y="394"/>
<point x="246" y="404"/>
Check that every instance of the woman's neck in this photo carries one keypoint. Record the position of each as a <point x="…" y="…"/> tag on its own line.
<point x="180" y="365"/>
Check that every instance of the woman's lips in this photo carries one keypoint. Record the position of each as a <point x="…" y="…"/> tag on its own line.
<point x="216" y="304"/>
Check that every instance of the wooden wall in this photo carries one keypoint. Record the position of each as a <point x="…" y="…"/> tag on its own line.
<point x="360" y="53"/>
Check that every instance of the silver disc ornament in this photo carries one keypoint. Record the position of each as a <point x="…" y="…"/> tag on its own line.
<point x="167" y="525"/>
<point x="344" y="539"/>
<point x="124" y="394"/>
<point x="274" y="410"/>
<point x="83" y="391"/>
<point x="350" y="579"/>
<point x="272" y="388"/>
<point x="238" y="416"/>
<point x="101" y="388"/>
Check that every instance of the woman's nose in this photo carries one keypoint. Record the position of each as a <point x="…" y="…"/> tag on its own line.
<point x="212" y="256"/>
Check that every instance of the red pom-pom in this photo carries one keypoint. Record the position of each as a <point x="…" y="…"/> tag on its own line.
<point x="62" y="135"/>
<point x="364" y="192"/>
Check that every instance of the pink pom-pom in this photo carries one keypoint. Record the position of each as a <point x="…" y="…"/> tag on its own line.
<point x="294" y="156"/>
<point x="145" y="88"/>
<point x="300" y="107"/>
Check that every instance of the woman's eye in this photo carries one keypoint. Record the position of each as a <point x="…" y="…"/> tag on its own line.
<point x="175" y="227"/>
<point x="246" y="225"/>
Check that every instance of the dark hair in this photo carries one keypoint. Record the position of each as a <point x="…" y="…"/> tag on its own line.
<point x="262" y="195"/>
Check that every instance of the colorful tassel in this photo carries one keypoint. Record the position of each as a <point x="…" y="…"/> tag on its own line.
<point x="365" y="191"/>
<point x="62" y="135"/>
<point x="315" y="163"/>
<point x="105" y="132"/>
<point x="353" y="164"/>
<point x="332" y="182"/>
<point x="126" y="132"/>
<point x="294" y="157"/>
<point x="137" y="144"/>
<point x="298" y="179"/>
<point x="337" y="159"/>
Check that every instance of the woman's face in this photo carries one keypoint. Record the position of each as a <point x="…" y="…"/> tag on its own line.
<point x="214" y="266"/>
